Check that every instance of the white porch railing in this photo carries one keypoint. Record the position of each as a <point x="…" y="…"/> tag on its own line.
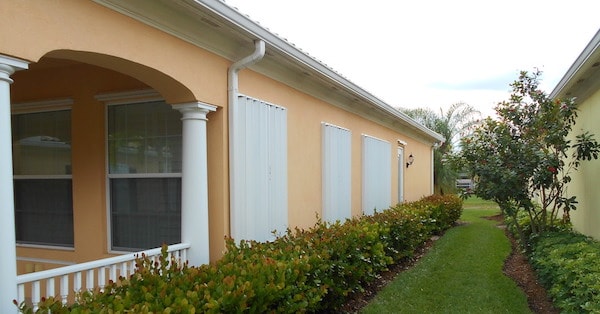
<point x="94" y="274"/>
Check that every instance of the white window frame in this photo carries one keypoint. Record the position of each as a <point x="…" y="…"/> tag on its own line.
<point x="115" y="99"/>
<point x="52" y="105"/>
<point x="401" y="169"/>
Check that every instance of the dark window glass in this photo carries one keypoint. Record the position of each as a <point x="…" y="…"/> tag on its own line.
<point x="44" y="211"/>
<point x="145" y="212"/>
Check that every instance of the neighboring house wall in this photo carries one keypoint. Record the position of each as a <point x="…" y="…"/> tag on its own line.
<point x="582" y="82"/>
<point x="586" y="218"/>
<point x="80" y="50"/>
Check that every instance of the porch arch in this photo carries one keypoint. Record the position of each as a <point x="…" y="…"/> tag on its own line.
<point x="194" y="172"/>
<point x="194" y="203"/>
<point x="171" y="89"/>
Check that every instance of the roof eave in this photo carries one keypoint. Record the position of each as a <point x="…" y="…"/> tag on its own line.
<point x="253" y="30"/>
<point x="567" y="86"/>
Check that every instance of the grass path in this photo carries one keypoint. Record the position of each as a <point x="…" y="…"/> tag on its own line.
<point x="462" y="273"/>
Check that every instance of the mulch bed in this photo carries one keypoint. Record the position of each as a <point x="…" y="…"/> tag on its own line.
<point x="516" y="267"/>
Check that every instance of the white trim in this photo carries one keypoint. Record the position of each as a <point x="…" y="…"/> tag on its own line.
<point x="194" y="181"/>
<point x="42" y="106"/>
<point x="432" y="170"/>
<point x="15" y="63"/>
<point x="49" y="247"/>
<point x="8" y="271"/>
<point x="44" y="260"/>
<point x="129" y="97"/>
<point x="373" y="137"/>
<point x="194" y="110"/>
<point x="246" y="28"/>
<point x="335" y="126"/>
<point x="41" y="176"/>
<point x="262" y="101"/>
<point x="576" y="69"/>
<point x="401" y="171"/>
<point x="46" y="106"/>
<point x="124" y="98"/>
<point x="143" y="175"/>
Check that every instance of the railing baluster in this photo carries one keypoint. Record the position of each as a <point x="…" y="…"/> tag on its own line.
<point x="77" y="282"/>
<point x="101" y="278"/>
<point x="20" y="293"/>
<point x="50" y="287"/>
<point x="124" y="270"/>
<point x="35" y="294"/>
<point x="177" y="255"/>
<point x="113" y="273"/>
<point x="131" y="268"/>
<point x="89" y="279"/>
<point x="64" y="288"/>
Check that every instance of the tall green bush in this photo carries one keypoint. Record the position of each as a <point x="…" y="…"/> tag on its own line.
<point x="312" y="270"/>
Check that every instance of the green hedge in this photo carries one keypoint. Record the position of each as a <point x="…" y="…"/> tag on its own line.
<point x="568" y="265"/>
<point x="313" y="270"/>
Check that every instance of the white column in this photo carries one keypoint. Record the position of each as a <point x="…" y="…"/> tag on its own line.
<point x="433" y="169"/>
<point x="8" y="253"/>
<point x="194" y="181"/>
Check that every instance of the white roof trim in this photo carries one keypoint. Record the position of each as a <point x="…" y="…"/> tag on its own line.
<point x="575" y="68"/>
<point x="254" y="30"/>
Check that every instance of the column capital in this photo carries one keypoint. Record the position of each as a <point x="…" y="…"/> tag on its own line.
<point x="8" y="66"/>
<point x="194" y="110"/>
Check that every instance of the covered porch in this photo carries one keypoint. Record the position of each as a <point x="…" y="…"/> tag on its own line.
<point x="81" y="176"/>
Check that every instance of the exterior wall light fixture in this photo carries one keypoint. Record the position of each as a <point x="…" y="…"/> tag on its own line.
<point x="410" y="160"/>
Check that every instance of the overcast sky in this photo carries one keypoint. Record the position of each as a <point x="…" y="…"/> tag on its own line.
<point x="433" y="53"/>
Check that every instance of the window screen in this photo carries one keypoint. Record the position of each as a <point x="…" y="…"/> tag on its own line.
<point x="144" y="156"/>
<point x="42" y="178"/>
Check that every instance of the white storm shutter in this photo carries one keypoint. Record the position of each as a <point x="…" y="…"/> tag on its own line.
<point x="259" y="170"/>
<point x="376" y="175"/>
<point x="336" y="173"/>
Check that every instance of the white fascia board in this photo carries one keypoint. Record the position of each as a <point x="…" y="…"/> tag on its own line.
<point x="255" y="31"/>
<point x="574" y="71"/>
<point x="276" y="42"/>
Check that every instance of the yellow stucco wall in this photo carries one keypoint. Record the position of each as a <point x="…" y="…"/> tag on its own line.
<point x="78" y="30"/>
<point x="113" y="56"/>
<point x="305" y="115"/>
<point x="586" y="218"/>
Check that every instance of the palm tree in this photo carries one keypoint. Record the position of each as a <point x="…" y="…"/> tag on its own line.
<point x="452" y="125"/>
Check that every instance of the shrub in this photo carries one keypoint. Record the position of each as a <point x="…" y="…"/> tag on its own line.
<point x="312" y="270"/>
<point x="568" y="264"/>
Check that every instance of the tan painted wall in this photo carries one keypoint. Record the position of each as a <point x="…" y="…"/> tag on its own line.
<point x="78" y="30"/>
<point x="73" y="29"/>
<point x="586" y="218"/>
<point x="305" y="114"/>
<point x="32" y="29"/>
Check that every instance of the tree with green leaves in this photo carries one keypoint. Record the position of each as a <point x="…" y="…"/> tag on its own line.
<point x="524" y="159"/>
<point x="451" y="124"/>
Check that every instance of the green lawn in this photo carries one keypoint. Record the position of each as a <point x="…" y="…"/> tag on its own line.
<point x="462" y="273"/>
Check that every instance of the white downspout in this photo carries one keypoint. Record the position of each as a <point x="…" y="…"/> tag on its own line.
<point x="232" y="94"/>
